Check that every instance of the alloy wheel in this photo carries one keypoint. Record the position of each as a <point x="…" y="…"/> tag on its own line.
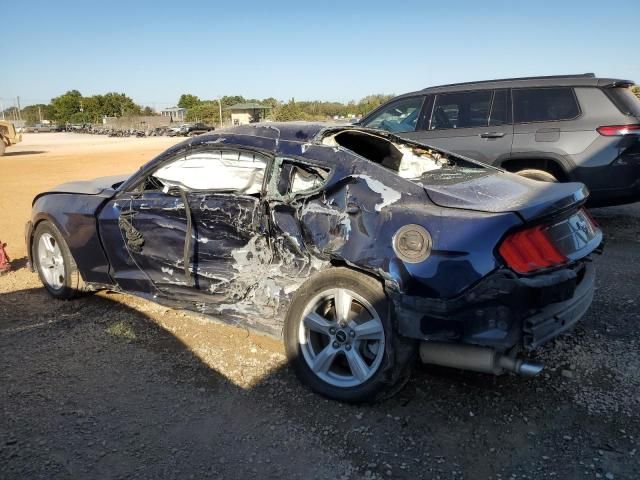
<point x="51" y="261"/>
<point x="341" y="337"/>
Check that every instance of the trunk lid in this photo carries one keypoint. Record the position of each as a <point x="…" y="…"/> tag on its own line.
<point x="495" y="191"/>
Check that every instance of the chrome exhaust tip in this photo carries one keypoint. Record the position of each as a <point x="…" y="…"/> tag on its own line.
<point x="529" y="369"/>
<point x="478" y="359"/>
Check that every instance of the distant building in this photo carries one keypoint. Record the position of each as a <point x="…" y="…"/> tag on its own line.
<point x="175" y="114"/>
<point x="243" y="113"/>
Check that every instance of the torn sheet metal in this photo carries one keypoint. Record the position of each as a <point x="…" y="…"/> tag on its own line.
<point x="345" y="194"/>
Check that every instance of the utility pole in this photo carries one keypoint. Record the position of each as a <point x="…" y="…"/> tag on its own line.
<point x="2" y="108"/>
<point x="220" y="109"/>
<point x="19" y="113"/>
<point x="40" y="113"/>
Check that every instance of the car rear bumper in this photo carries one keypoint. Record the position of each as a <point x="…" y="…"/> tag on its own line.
<point x="502" y="311"/>
<point x="560" y="317"/>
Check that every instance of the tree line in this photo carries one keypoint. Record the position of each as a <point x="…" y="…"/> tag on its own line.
<point x="208" y="111"/>
<point x="73" y="107"/>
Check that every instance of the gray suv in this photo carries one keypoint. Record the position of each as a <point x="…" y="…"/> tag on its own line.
<point x="561" y="128"/>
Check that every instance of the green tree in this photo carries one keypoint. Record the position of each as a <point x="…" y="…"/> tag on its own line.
<point x="271" y="102"/>
<point x="287" y="112"/>
<point x="188" y="101"/>
<point x="91" y="110"/>
<point x="117" y="105"/>
<point x="33" y="113"/>
<point x="636" y="90"/>
<point x="370" y="102"/>
<point x="228" y="101"/>
<point x="206" y="111"/>
<point x="66" y="105"/>
<point x="11" y="113"/>
<point x="148" y="111"/>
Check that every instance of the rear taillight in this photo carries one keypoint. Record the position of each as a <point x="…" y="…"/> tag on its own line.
<point x="528" y="250"/>
<point x="618" y="130"/>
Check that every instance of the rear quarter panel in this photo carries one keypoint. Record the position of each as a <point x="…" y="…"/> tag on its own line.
<point x="353" y="221"/>
<point x="574" y="143"/>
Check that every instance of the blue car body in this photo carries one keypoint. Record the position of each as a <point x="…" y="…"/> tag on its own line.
<point x="242" y="257"/>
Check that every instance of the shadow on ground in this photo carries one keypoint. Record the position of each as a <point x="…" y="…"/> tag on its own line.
<point x="95" y="389"/>
<point x="25" y="152"/>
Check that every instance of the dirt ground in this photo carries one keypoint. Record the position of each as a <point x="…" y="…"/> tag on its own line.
<point x="111" y="386"/>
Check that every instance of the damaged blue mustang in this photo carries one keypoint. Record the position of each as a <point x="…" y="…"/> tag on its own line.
<point x="361" y="249"/>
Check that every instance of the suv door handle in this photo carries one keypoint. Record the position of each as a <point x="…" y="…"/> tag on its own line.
<point x="492" y="135"/>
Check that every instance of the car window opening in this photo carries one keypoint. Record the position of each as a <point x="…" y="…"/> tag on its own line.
<point x="297" y="178"/>
<point x="218" y="170"/>
<point x="407" y="161"/>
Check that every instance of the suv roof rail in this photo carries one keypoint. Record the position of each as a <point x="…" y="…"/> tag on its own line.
<point x="577" y="75"/>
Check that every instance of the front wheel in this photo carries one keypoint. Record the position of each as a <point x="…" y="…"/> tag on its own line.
<point x="340" y="340"/>
<point x="55" y="265"/>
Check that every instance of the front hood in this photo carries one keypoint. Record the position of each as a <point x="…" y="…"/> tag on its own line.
<point x="90" y="187"/>
<point x="507" y="192"/>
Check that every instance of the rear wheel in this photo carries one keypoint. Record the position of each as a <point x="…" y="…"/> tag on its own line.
<point x="55" y="265"/>
<point x="340" y="340"/>
<point x="539" y="175"/>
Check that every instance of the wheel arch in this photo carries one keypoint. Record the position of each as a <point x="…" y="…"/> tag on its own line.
<point x="399" y="354"/>
<point x="339" y="263"/>
<point x="31" y="229"/>
<point x="554" y="166"/>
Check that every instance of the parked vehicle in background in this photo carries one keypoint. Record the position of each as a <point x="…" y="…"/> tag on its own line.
<point x="8" y="135"/>
<point x="58" y="128"/>
<point x="42" y="128"/>
<point x="174" y="130"/>
<point x="190" y="129"/>
<point x="359" y="247"/>
<point x="560" y="128"/>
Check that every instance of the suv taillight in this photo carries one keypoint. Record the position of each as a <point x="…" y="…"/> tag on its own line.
<point x="529" y="250"/>
<point x="618" y="130"/>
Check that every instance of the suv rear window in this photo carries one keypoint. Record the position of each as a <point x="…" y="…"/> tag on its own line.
<point x="625" y="100"/>
<point x="461" y="110"/>
<point x="544" y="104"/>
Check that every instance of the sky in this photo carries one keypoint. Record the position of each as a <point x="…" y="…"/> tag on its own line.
<point x="324" y="50"/>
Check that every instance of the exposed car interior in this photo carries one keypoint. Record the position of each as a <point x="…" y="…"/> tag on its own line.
<point x="297" y="178"/>
<point x="212" y="170"/>
<point x="406" y="160"/>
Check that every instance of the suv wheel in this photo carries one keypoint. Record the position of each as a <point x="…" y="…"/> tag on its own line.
<point x="340" y="340"/>
<point x="539" y="175"/>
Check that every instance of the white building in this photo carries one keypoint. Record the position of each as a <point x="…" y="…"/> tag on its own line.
<point x="243" y="113"/>
<point x="175" y="114"/>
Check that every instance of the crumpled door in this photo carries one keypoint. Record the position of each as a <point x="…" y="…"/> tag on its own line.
<point x="154" y="228"/>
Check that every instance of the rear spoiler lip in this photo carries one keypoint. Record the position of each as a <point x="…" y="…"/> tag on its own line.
<point x="539" y="214"/>
<point x="607" y="83"/>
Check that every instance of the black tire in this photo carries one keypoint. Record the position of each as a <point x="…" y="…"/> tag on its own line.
<point x="71" y="283"/>
<point x="540" y="175"/>
<point x="398" y="356"/>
